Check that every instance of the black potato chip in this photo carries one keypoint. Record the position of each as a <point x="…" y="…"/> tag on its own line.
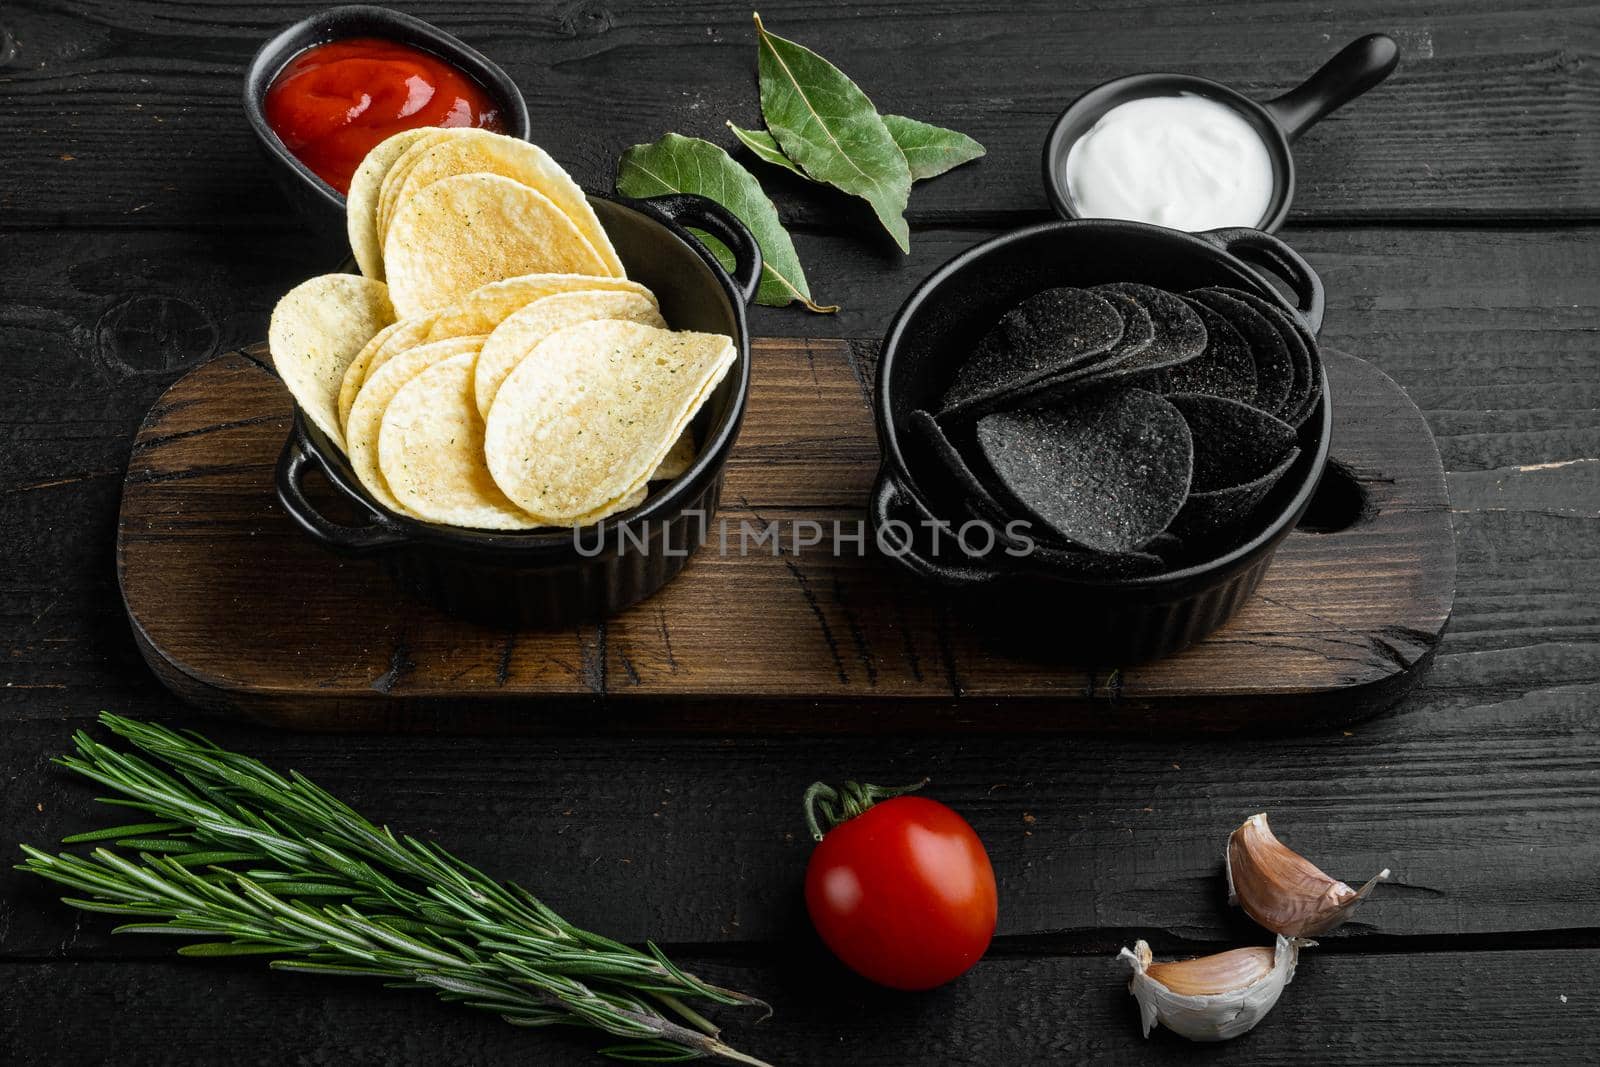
<point x="1225" y="368"/>
<point x="1138" y="332"/>
<point x="1274" y="368"/>
<point x="1047" y="334"/>
<point x="1303" y="355"/>
<point x="1204" y="514"/>
<point x="956" y="479"/>
<point x="1107" y="470"/>
<point x="1234" y="442"/>
<point x="1179" y="334"/>
<point x="1176" y="336"/>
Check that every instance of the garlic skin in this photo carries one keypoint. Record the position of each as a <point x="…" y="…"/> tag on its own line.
<point x="1281" y="889"/>
<point x="1212" y="998"/>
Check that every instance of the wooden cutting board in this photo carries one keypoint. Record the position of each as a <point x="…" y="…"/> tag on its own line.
<point x="237" y="611"/>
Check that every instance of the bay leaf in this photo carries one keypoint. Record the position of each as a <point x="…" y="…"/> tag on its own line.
<point x="765" y="148"/>
<point x="929" y="150"/>
<point x="827" y="126"/>
<point x="678" y="164"/>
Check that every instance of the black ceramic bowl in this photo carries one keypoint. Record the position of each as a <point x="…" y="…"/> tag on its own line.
<point x="320" y="202"/>
<point x="1358" y="67"/>
<point x="551" y="577"/>
<point x="1110" y="621"/>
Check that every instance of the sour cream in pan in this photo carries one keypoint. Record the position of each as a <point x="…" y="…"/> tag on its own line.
<point x="1181" y="161"/>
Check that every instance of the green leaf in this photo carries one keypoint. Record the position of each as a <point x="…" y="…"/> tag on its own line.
<point x="678" y="164"/>
<point x="215" y="949"/>
<point x="827" y="126"/>
<point x="931" y="150"/>
<point x="765" y="148"/>
<point x="113" y="832"/>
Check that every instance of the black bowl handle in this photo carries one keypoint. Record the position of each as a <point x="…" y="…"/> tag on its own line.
<point x="889" y="501"/>
<point x="379" y="534"/>
<point x="1264" y="250"/>
<point x="1359" y="66"/>
<point x="704" y="213"/>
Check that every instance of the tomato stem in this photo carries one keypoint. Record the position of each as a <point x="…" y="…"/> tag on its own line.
<point x="841" y="805"/>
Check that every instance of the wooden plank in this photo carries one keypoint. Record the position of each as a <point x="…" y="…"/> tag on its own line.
<point x="1506" y="373"/>
<point x="129" y="115"/>
<point x="1482" y="784"/>
<point x="236" y="611"/>
<point x="1486" y="806"/>
<point x="1465" y="1008"/>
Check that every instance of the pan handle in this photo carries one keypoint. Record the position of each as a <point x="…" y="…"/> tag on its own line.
<point x="895" y="537"/>
<point x="1359" y="66"/>
<point x="1262" y="250"/>
<point x="377" y="535"/>
<point x="704" y="213"/>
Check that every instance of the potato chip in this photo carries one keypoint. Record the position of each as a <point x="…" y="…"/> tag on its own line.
<point x="394" y="177"/>
<point x="361" y="203"/>
<point x="469" y="151"/>
<point x="317" y="329"/>
<point x="366" y="414"/>
<point x="1107" y="471"/>
<point x="524" y="328"/>
<point x="482" y="310"/>
<point x="430" y="451"/>
<point x="461" y="233"/>
<point x="1046" y="336"/>
<point x="396" y="337"/>
<point x="583" y="421"/>
<point x="680" y="457"/>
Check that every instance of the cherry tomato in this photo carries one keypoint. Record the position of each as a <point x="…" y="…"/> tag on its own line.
<point x="903" y="893"/>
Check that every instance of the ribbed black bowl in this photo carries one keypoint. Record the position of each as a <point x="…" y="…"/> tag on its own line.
<point x="1027" y="606"/>
<point x="552" y="577"/>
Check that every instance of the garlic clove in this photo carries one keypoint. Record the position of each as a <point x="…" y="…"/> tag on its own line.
<point x="1281" y="889"/>
<point x="1234" y="969"/>
<point x="1212" y="998"/>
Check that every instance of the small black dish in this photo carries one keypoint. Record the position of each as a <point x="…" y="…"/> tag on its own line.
<point x="320" y="202"/>
<point x="1026" y="606"/>
<point x="1361" y="65"/>
<point x="552" y="577"/>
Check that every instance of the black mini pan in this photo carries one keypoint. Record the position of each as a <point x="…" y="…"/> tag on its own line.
<point x="1361" y="65"/>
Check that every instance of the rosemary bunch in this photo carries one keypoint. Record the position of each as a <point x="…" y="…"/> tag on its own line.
<point x="260" y="863"/>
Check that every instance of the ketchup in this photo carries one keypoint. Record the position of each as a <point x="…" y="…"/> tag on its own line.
<point x="332" y="103"/>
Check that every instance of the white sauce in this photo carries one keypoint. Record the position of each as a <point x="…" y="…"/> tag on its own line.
<point x="1180" y="161"/>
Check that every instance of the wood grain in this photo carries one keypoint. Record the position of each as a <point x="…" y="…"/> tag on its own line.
<point x="139" y="236"/>
<point x="237" y="611"/>
<point x="129" y="114"/>
<point x="1486" y="810"/>
<point x="1356" y="1010"/>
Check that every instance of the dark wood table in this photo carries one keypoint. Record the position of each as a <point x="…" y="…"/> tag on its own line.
<point x="1453" y="215"/>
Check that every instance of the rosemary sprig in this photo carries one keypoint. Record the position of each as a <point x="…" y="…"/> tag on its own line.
<point x="266" y="864"/>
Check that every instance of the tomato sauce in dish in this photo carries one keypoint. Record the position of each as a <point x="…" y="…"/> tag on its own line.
<point x="333" y="102"/>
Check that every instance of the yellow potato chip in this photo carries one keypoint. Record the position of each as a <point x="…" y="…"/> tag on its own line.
<point x="585" y="418"/>
<point x="483" y="309"/>
<point x="366" y="414"/>
<point x="411" y="333"/>
<point x="361" y="203"/>
<point x="472" y="151"/>
<point x="679" y="458"/>
<point x="394" y="177"/>
<point x="461" y="233"/>
<point x="356" y="372"/>
<point x="430" y="450"/>
<point x="317" y="329"/>
<point x="524" y="328"/>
